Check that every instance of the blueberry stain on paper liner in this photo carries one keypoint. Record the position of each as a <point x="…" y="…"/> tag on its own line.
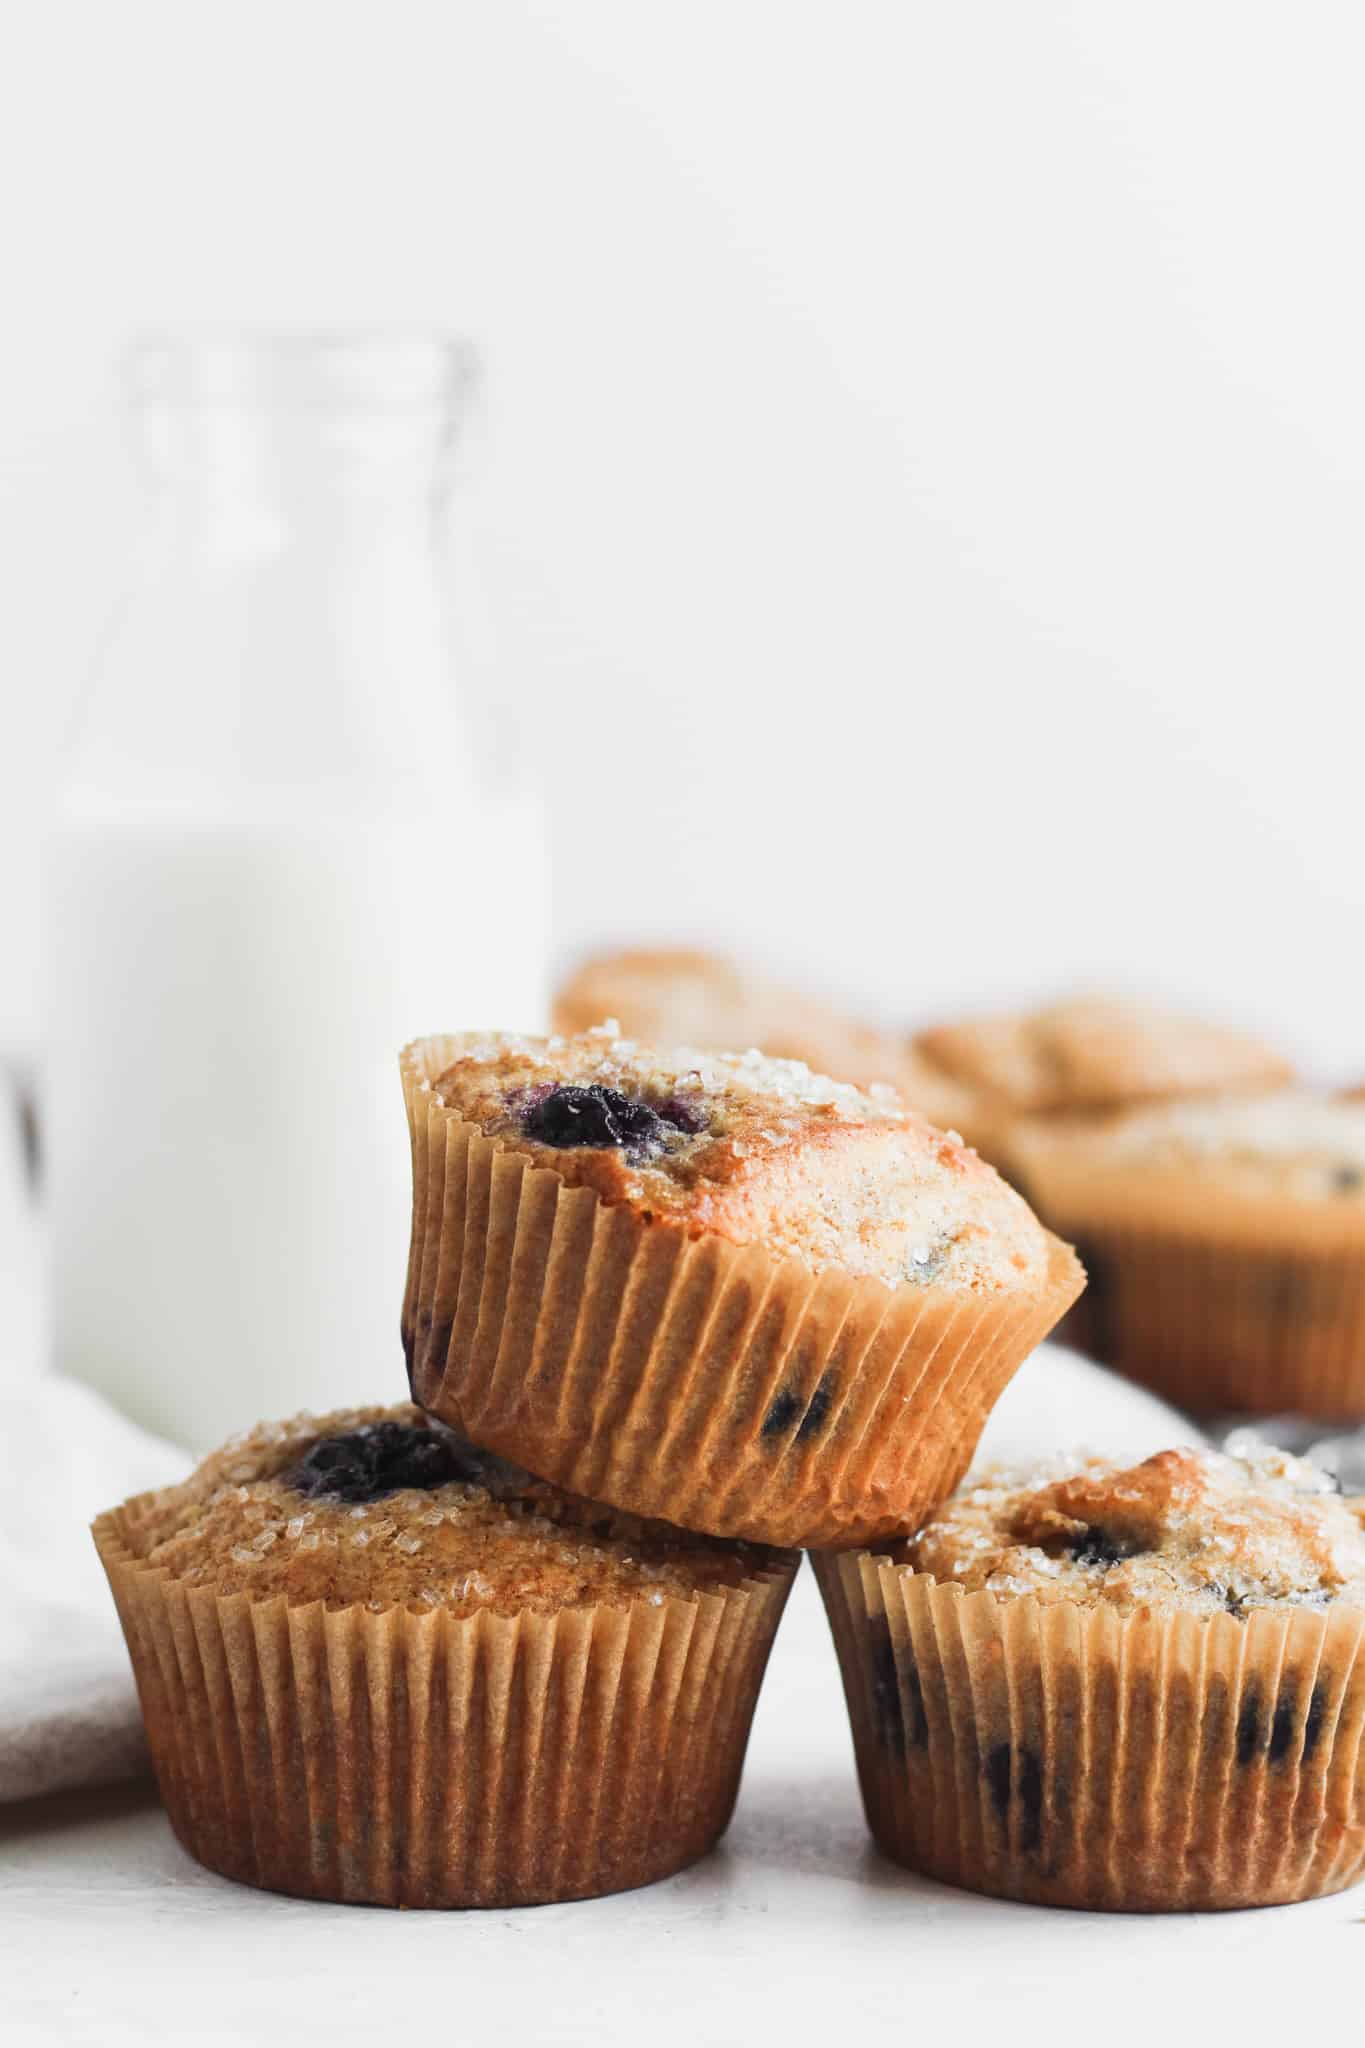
<point x="1016" y="1775"/>
<point x="897" y="1695"/>
<point x="790" y="1413"/>
<point x="1280" y="1734"/>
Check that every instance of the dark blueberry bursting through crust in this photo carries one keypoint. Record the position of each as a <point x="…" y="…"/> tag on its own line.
<point x="1346" y="1179"/>
<point x="383" y="1457"/>
<point x="1096" y="1546"/>
<point x="595" y="1116"/>
<point x="688" y="1117"/>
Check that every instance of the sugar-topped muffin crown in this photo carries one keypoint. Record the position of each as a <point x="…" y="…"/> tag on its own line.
<point x="1201" y="1531"/>
<point x="754" y="1149"/>
<point x="1097" y="1052"/>
<point x="382" y="1507"/>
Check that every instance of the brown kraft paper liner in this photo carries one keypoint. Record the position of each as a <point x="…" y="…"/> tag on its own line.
<point x="1073" y="1756"/>
<point x="404" y="1759"/>
<point x="1224" y="1306"/>
<point x="688" y="1377"/>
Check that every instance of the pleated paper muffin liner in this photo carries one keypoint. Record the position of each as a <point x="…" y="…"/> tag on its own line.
<point x="687" y="1377"/>
<point x="403" y="1759"/>
<point x="1223" y="1305"/>
<point x="1073" y="1756"/>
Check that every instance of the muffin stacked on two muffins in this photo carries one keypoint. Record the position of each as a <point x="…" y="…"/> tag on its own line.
<point x="378" y="1663"/>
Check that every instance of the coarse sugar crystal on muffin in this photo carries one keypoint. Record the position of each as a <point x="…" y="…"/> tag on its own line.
<point x="1140" y="1689"/>
<point x="388" y="1509"/>
<point x="1203" y="1531"/>
<point x="714" y="1287"/>
<point x="376" y="1664"/>
<point x="1227" y="1240"/>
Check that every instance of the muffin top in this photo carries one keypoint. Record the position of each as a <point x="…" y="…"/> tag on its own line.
<point x="382" y="1507"/>
<point x="1203" y="1532"/>
<point x="1093" y="1053"/>
<point x="752" y="1149"/>
<point x="674" y="996"/>
<point x="1290" y="1144"/>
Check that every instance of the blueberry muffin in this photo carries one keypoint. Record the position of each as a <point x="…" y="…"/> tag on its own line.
<point x="1088" y="1055"/>
<point x="1138" y="1689"/>
<point x="378" y="1665"/>
<point x="675" y="996"/>
<point x="1226" y="1244"/>
<point x="717" y="1288"/>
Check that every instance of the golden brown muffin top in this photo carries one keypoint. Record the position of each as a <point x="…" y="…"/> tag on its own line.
<point x="1091" y="1053"/>
<point x="382" y="1507"/>
<point x="1294" y="1145"/>
<point x="1204" y="1532"/>
<point x="677" y="996"/>
<point x="752" y="1149"/>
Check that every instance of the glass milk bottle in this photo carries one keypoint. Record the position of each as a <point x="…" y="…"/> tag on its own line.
<point x="276" y="859"/>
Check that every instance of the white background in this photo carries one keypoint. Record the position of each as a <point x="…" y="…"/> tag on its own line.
<point x="919" y="495"/>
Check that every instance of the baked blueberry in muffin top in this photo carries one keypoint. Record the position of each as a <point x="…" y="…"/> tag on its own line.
<point x="755" y="1150"/>
<point x="1201" y="1531"/>
<point x="382" y="1507"/>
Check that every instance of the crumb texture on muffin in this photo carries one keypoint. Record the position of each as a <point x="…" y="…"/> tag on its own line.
<point x="1094" y="1052"/>
<point x="382" y="1507"/>
<point x="1202" y="1532"/>
<point x="753" y="1149"/>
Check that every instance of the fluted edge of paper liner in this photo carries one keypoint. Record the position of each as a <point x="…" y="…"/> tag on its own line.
<point x="402" y="1759"/>
<point x="1073" y="1756"/>
<point x="684" y="1376"/>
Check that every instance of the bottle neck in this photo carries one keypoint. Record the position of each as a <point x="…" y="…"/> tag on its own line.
<point x="228" y="482"/>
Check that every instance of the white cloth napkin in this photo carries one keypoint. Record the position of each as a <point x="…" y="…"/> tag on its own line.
<point x="68" y="1710"/>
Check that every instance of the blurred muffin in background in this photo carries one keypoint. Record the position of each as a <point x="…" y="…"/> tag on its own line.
<point x="1225" y="1244"/>
<point x="1090" y="1054"/>
<point x="675" y="996"/>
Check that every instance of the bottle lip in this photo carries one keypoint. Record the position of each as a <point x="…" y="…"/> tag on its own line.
<point x="342" y="371"/>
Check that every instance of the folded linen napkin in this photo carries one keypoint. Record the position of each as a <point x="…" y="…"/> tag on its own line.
<point x="68" y="1711"/>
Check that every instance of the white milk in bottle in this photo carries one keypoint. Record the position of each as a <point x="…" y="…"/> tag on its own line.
<point x="276" y="860"/>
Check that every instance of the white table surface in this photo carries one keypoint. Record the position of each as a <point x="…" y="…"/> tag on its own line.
<point x="794" y="1930"/>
